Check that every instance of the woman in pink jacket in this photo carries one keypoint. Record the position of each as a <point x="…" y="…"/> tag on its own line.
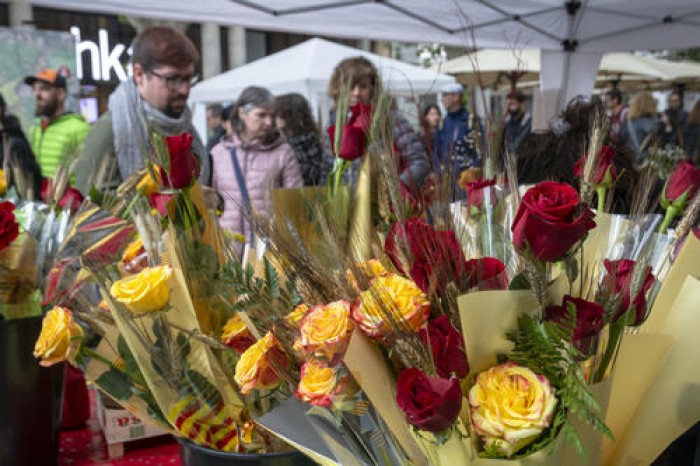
<point x="251" y="162"/>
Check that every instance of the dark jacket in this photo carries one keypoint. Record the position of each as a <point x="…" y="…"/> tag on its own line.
<point x="515" y="128"/>
<point x="19" y="159"/>
<point x="639" y="134"/>
<point x="455" y="141"/>
<point x="308" y="152"/>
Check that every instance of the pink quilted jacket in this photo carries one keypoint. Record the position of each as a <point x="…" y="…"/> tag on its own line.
<point x="264" y="169"/>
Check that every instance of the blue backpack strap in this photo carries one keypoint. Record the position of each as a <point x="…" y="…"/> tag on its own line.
<point x="240" y="179"/>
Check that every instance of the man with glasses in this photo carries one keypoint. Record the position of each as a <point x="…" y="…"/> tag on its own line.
<point x="153" y="99"/>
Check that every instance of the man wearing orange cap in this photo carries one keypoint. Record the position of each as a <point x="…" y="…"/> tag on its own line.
<point x="57" y="135"/>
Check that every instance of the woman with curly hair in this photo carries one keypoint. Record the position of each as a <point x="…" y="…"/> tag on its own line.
<point x="293" y="118"/>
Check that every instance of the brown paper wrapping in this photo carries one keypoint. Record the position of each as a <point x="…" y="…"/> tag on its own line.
<point x="368" y="366"/>
<point x="671" y="404"/>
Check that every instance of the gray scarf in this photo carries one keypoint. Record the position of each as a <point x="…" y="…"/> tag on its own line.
<point x="131" y="115"/>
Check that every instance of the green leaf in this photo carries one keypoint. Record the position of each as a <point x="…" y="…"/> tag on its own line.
<point x="116" y="384"/>
<point x="519" y="282"/>
<point x="183" y="344"/>
<point x="201" y="388"/>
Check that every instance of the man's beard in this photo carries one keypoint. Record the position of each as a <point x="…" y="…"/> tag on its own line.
<point x="173" y="112"/>
<point x="48" y="108"/>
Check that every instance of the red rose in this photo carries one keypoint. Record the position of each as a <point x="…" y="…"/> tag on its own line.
<point x="9" y="228"/>
<point x="429" y="403"/>
<point x="605" y="171"/>
<point x="550" y="221"/>
<point x="619" y="280"/>
<point x="354" y="138"/>
<point x="447" y="347"/>
<point x="160" y="202"/>
<point x="589" y="320"/>
<point x="475" y="193"/>
<point x="681" y="186"/>
<point x="70" y="200"/>
<point x="487" y="273"/>
<point x="438" y="258"/>
<point x="184" y="166"/>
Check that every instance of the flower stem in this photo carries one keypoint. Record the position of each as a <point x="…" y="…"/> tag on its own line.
<point x="95" y="355"/>
<point x="600" y="191"/>
<point x="671" y="213"/>
<point x="616" y="329"/>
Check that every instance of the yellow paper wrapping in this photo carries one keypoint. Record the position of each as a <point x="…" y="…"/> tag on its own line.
<point x="180" y="314"/>
<point x="486" y="317"/>
<point x="368" y="366"/>
<point x="687" y="263"/>
<point x="18" y="274"/>
<point x="359" y="244"/>
<point x="638" y="362"/>
<point x="455" y="451"/>
<point x="592" y="439"/>
<point x="548" y="457"/>
<point x="671" y="405"/>
<point x="93" y="371"/>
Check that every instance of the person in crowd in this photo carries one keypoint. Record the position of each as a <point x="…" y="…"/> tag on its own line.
<point x="293" y="118"/>
<point x="692" y="134"/>
<point x="16" y="157"/>
<point x="430" y="122"/>
<point x="163" y="62"/>
<point x="552" y="154"/>
<point x="616" y="110"/>
<point x="214" y="119"/>
<point x="252" y="162"/>
<point x="674" y="120"/>
<point x="57" y="135"/>
<point x="517" y="125"/>
<point x="226" y="120"/>
<point x="642" y="126"/>
<point x="456" y="142"/>
<point x="365" y="87"/>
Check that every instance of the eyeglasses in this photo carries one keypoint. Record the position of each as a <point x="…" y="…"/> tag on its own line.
<point x="174" y="83"/>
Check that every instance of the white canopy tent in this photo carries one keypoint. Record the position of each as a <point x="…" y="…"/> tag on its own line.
<point x="306" y="68"/>
<point x="573" y="34"/>
<point x="493" y="64"/>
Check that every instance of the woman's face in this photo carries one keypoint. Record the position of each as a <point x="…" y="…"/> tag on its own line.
<point x="279" y="122"/>
<point x="361" y="93"/>
<point x="432" y="118"/>
<point x="257" y="121"/>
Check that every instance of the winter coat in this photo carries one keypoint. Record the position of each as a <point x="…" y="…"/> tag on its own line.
<point x="307" y="149"/>
<point x="19" y="159"/>
<point x="57" y="141"/>
<point x="264" y="168"/>
<point x="645" y="130"/>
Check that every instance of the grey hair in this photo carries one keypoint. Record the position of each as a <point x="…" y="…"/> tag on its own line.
<point x="251" y="97"/>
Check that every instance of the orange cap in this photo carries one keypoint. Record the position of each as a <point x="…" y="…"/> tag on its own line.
<point x="55" y="78"/>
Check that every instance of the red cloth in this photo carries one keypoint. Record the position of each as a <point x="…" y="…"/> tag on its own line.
<point x="76" y="402"/>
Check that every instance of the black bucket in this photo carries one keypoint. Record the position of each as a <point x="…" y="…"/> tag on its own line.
<point x="195" y="455"/>
<point x="30" y="398"/>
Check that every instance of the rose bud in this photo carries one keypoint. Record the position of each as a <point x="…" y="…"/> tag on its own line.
<point x="429" y="403"/>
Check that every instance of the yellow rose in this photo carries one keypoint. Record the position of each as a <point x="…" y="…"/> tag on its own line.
<point x="60" y="337"/>
<point x="510" y="407"/>
<point x="147" y="291"/>
<point x="326" y="330"/>
<point x="370" y="269"/>
<point x="236" y="335"/>
<point x="147" y="185"/>
<point x="317" y="383"/>
<point x="296" y="316"/>
<point x="391" y="295"/>
<point x="258" y="367"/>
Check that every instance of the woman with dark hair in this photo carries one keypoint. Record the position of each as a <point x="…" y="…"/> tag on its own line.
<point x="293" y="118"/>
<point x="551" y="155"/>
<point x="692" y="136"/>
<point x="362" y="77"/>
<point x="16" y="157"/>
<point x="430" y="122"/>
<point x="252" y="161"/>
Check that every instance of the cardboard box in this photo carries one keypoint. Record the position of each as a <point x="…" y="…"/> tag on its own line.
<point x="119" y="425"/>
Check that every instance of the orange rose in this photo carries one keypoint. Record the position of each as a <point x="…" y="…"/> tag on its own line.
<point x="370" y="269"/>
<point x="134" y="258"/>
<point x="320" y="385"/>
<point x="394" y="295"/>
<point x="236" y="335"/>
<point x="258" y="367"/>
<point x="326" y="330"/>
